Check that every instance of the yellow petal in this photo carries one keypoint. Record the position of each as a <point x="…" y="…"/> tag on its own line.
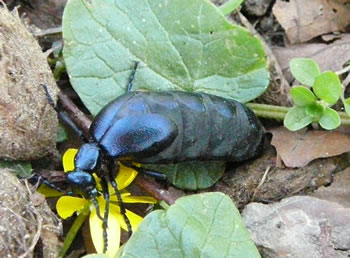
<point x="128" y="198"/>
<point x="139" y="199"/>
<point x="48" y="191"/>
<point x="125" y="176"/>
<point x="134" y="219"/>
<point x="113" y="232"/>
<point x="68" y="159"/>
<point x="67" y="205"/>
<point x="113" y="196"/>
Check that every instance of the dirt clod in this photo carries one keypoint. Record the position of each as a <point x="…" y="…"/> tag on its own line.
<point x="25" y="221"/>
<point x="28" y="124"/>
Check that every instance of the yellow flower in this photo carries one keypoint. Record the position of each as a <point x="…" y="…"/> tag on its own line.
<point x="67" y="205"/>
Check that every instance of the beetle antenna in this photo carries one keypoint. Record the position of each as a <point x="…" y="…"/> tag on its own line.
<point x="132" y="77"/>
<point x="41" y="180"/>
<point x="62" y="115"/>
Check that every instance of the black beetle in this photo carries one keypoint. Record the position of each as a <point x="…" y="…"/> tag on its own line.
<point x="158" y="128"/>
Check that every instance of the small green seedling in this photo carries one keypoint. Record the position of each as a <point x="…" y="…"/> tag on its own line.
<point x="313" y="99"/>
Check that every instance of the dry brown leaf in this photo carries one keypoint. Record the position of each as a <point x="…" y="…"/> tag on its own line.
<point x="297" y="149"/>
<point x="328" y="56"/>
<point x="306" y="19"/>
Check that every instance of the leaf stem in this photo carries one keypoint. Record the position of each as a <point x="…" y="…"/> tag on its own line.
<point x="278" y="112"/>
<point x="164" y="205"/>
<point x="229" y="6"/>
<point x="78" y="222"/>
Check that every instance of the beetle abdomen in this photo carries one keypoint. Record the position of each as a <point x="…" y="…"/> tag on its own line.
<point x="209" y="127"/>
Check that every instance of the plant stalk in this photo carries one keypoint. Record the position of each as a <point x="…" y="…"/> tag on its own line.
<point x="278" y="112"/>
<point x="78" y="222"/>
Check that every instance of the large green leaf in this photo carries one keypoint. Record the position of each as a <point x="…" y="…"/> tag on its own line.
<point x="181" y="45"/>
<point x="203" y="225"/>
<point x="193" y="175"/>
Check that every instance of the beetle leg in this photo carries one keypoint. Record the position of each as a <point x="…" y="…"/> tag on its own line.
<point x="132" y="77"/>
<point x="155" y="174"/>
<point x="106" y="213"/>
<point x="63" y="116"/>
<point x="97" y="206"/>
<point x="111" y="168"/>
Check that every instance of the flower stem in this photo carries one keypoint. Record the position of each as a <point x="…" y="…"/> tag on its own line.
<point x="78" y="222"/>
<point x="278" y="112"/>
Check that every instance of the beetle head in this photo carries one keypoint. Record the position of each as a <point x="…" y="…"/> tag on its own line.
<point x="82" y="183"/>
<point x="86" y="161"/>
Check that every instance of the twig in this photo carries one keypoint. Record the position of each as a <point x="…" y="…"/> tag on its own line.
<point x="345" y="70"/>
<point x="81" y="120"/>
<point x="261" y="182"/>
<point x="155" y="189"/>
<point x="48" y="31"/>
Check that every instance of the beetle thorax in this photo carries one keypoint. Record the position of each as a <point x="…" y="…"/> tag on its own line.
<point x="88" y="157"/>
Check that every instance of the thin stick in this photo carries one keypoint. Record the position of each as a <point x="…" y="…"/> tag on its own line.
<point x="261" y="182"/>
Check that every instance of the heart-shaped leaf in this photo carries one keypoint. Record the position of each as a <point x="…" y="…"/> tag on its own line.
<point x="192" y="175"/>
<point x="203" y="225"/>
<point x="181" y="45"/>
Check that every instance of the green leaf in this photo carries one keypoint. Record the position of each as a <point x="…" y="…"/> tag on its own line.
<point x="327" y="87"/>
<point x="193" y="175"/>
<point x="304" y="70"/>
<point x="347" y="106"/>
<point x="62" y="133"/>
<point x="330" y="119"/>
<point x="315" y="110"/>
<point x="297" y="118"/>
<point x="230" y="6"/>
<point x="21" y="168"/>
<point x="302" y="96"/>
<point x="181" y="45"/>
<point x="203" y="225"/>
